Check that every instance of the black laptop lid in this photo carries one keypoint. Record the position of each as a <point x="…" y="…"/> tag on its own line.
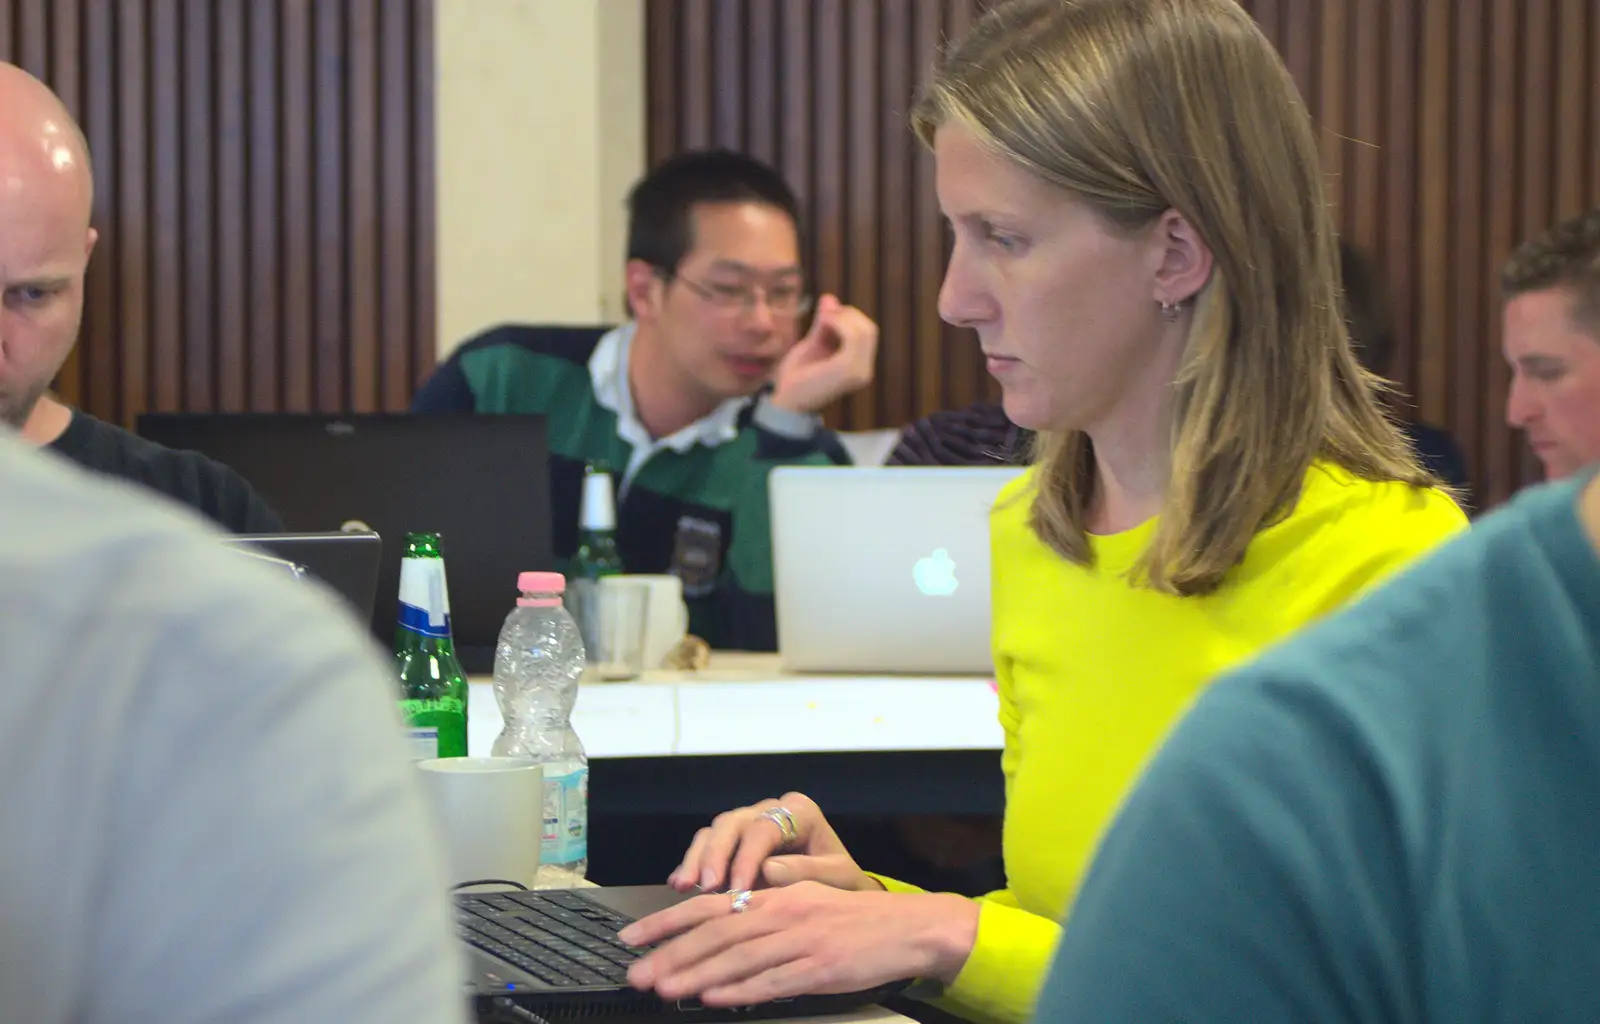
<point x="349" y="563"/>
<point x="480" y="482"/>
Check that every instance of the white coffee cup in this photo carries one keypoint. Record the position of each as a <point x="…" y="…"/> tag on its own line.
<point x="491" y="813"/>
<point x="666" y="615"/>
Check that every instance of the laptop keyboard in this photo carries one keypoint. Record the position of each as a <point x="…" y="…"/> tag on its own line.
<point x="557" y="936"/>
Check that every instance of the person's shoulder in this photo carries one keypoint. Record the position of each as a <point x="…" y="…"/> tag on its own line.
<point x="119" y="451"/>
<point x="1343" y="535"/>
<point x="96" y="541"/>
<point x="514" y="344"/>
<point x="980" y="419"/>
<point x="192" y="478"/>
<point x="514" y="368"/>
<point x="1536" y="540"/>
<point x="56" y="495"/>
<point x="1470" y="585"/>
<point x="1332" y="490"/>
<point x="1337" y="507"/>
<point x="1380" y="678"/>
<point x="96" y="444"/>
<point x="120" y="577"/>
<point x="975" y="435"/>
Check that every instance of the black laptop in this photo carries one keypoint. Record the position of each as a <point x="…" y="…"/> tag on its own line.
<point x="480" y="482"/>
<point x="553" y="955"/>
<point x="347" y="562"/>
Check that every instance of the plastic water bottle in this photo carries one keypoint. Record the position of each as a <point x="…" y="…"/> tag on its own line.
<point x="536" y="668"/>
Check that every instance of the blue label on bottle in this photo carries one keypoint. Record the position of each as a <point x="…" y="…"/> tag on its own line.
<point x="566" y="818"/>
<point x="417" y="620"/>
<point x="424" y="597"/>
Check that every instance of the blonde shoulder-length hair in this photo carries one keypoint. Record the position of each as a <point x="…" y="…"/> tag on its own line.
<point x="1137" y="107"/>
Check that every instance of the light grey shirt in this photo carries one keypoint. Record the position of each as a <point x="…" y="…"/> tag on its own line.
<point x="206" y="810"/>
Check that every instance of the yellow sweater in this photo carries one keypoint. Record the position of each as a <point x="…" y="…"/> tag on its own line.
<point x="1092" y="672"/>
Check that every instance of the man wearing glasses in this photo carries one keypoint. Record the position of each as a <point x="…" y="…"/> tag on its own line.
<point x="693" y="401"/>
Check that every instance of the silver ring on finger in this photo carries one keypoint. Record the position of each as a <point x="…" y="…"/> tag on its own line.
<point x="784" y="819"/>
<point x="741" y="900"/>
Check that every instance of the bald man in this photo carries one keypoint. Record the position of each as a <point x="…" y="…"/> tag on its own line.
<point x="46" y="196"/>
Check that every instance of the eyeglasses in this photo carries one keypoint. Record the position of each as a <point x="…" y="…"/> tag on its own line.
<point x="785" y="301"/>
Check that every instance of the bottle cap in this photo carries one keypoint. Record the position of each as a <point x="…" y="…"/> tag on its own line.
<point x="541" y="583"/>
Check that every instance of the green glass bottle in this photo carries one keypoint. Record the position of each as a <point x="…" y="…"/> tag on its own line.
<point x="433" y="689"/>
<point x="597" y="553"/>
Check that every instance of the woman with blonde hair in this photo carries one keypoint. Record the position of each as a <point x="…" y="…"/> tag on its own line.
<point x="1144" y="250"/>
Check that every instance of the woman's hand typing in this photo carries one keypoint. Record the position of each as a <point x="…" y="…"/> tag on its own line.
<point x="772" y="843"/>
<point x="802" y="939"/>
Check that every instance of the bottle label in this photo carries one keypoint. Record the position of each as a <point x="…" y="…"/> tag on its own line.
<point x="566" y="818"/>
<point x="423" y="742"/>
<point x="598" y="510"/>
<point x="424" y="597"/>
<point x="435" y="727"/>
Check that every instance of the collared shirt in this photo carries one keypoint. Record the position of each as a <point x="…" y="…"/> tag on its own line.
<point x="608" y="369"/>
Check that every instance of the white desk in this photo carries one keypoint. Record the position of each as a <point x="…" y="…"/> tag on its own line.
<point x="677" y="747"/>
<point x="870" y="1015"/>
<point x="685" y="745"/>
<point x="743" y="704"/>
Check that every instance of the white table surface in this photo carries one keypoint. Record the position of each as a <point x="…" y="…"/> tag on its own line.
<point x="870" y="1015"/>
<point x="744" y="704"/>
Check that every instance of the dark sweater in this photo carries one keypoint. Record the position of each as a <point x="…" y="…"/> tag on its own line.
<point x="981" y="434"/>
<point x="203" y="484"/>
<point x="974" y="436"/>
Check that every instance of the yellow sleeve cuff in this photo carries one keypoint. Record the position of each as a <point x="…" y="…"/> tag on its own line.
<point x="1003" y="976"/>
<point x="1009" y="961"/>
<point x="891" y="885"/>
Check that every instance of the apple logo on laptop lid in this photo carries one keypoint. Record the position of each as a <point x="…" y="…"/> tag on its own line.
<point x="935" y="575"/>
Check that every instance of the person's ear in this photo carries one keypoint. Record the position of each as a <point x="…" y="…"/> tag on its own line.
<point x="1184" y="259"/>
<point x="645" y="290"/>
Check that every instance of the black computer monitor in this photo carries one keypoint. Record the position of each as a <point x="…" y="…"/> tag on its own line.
<point x="481" y="482"/>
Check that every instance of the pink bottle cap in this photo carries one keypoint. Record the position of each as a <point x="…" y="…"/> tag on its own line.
<point x="541" y="583"/>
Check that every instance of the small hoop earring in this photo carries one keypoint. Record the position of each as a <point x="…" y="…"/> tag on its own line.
<point x="1169" y="311"/>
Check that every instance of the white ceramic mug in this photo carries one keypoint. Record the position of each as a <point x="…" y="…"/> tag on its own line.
<point x="666" y="617"/>
<point x="491" y="812"/>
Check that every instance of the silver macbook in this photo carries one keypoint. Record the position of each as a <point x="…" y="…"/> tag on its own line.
<point x="884" y="569"/>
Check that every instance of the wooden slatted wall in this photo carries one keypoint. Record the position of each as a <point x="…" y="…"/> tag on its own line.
<point x="264" y="173"/>
<point x="1452" y="131"/>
